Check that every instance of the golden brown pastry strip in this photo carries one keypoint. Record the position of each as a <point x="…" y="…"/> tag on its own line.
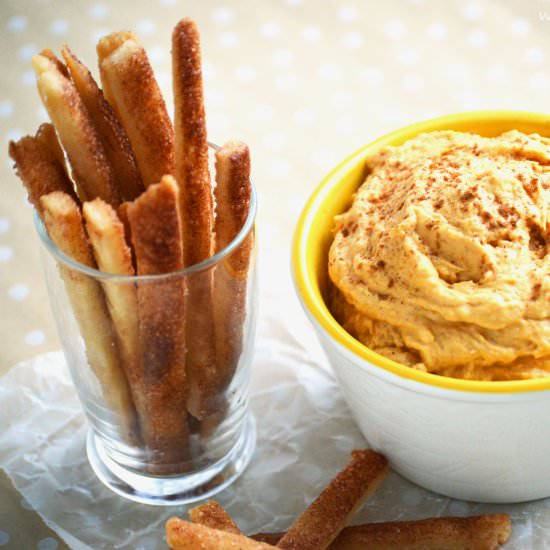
<point x="155" y="227"/>
<point x="319" y="525"/>
<point x="196" y="207"/>
<point x="64" y="225"/>
<point x="130" y="87"/>
<point x="39" y="170"/>
<point x="485" y="532"/>
<point x="113" y="137"/>
<point x="212" y="515"/>
<point x="113" y="255"/>
<point x="77" y="133"/>
<point x="232" y="192"/>
<point x="46" y="136"/>
<point x="182" y="535"/>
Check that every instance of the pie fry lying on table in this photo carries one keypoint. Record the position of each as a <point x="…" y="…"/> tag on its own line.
<point x="155" y="228"/>
<point x="130" y="87"/>
<point x="197" y="212"/>
<point x="330" y="512"/>
<point x="113" y="137"/>
<point x="63" y="222"/>
<point x="91" y="170"/>
<point x="213" y="515"/>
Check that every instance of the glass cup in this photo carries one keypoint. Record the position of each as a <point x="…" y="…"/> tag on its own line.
<point x="142" y="441"/>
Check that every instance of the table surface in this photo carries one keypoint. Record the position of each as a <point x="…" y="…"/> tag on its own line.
<point x="303" y="82"/>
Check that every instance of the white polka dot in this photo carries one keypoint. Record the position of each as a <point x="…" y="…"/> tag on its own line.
<point x="371" y="76"/>
<point x="228" y="39"/>
<point x="456" y="72"/>
<point x="286" y="82"/>
<point x="4" y="225"/>
<point x="294" y="3"/>
<point x="498" y="74"/>
<point x="97" y="34"/>
<point x="311" y="34"/>
<point x="219" y="122"/>
<point x="342" y="99"/>
<point x="5" y="253"/>
<point x="274" y="141"/>
<point x="6" y="109"/>
<point x="323" y="156"/>
<point x="329" y="72"/>
<point x="59" y="27"/>
<point x="395" y="29"/>
<point x="353" y="40"/>
<point x="538" y="82"/>
<point x="270" y="30"/>
<point x="348" y="13"/>
<point x="208" y="71"/>
<point x="17" y="23"/>
<point x="49" y="543"/>
<point x="164" y="79"/>
<point x="214" y="98"/>
<point x="409" y="56"/>
<point x="41" y="112"/>
<point x="34" y="338"/>
<point x="26" y="51"/>
<point x="245" y="73"/>
<point x="472" y="11"/>
<point x="468" y="99"/>
<point x="97" y="11"/>
<point x="26" y="504"/>
<point x="156" y="54"/>
<point x="28" y="78"/>
<point x="520" y="26"/>
<point x="283" y="57"/>
<point x="223" y="15"/>
<point x="458" y="508"/>
<point x="145" y="27"/>
<point x="18" y="292"/>
<point x="478" y="38"/>
<point x="413" y="82"/>
<point x="345" y="124"/>
<point x="4" y="538"/>
<point x="14" y="135"/>
<point x="411" y="497"/>
<point x="169" y="2"/>
<point x="392" y="114"/>
<point x="533" y="56"/>
<point x="305" y="116"/>
<point x="263" y="113"/>
<point x="278" y="168"/>
<point x="436" y="31"/>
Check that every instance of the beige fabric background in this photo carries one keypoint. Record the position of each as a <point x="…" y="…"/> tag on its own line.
<point x="303" y="82"/>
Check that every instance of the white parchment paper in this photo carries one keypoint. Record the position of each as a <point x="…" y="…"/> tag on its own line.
<point x="305" y="434"/>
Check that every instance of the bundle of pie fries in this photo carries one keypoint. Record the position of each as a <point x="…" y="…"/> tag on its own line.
<point x="323" y="525"/>
<point x="121" y="189"/>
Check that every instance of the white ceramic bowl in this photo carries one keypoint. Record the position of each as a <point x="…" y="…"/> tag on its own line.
<point x="480" y="441"/>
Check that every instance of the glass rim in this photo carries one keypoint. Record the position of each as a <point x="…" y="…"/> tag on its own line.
<point x="65" y="259"/>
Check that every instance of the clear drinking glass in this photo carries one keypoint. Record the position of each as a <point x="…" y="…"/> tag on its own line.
<point x="141" y="443"/>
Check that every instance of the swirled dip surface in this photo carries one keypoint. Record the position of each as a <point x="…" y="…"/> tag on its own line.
<point x="442" y="263"/>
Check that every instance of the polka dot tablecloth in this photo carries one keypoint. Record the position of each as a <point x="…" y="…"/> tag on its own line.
<point x="303" y="82"/>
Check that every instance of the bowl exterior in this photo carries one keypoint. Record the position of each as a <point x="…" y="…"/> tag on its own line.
<point x="471" y="446"/>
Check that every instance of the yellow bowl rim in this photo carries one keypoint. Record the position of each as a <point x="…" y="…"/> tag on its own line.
<point x="304" y="276"/>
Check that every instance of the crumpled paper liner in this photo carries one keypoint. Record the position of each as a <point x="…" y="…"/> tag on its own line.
<point x="305" y="434"/>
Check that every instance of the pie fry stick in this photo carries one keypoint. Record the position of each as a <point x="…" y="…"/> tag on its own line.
<point x="182" y="535"/>
<point x="319" y="525"/>
<point x="233" y="191"/>
<point x="197" y="213"/>
<point x="113" y="137"/>
<point x="39" y="170"/>
<point x="64" y="225"/>
<point x="46" y="136"/>
<point x="47" y="52"/>
<point x="113" y="255"/>
<point x="122" y="212"/>
<point x="155" y="227"/>
<point x="474" y="533"/>
<point x="214" y="516"/>
<point x="76" y="131"/>
<point x="130" y="87"/>
<point x="471" y="533"/>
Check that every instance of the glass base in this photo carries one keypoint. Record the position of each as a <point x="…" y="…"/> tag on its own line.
<point x="169" y="491"/>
